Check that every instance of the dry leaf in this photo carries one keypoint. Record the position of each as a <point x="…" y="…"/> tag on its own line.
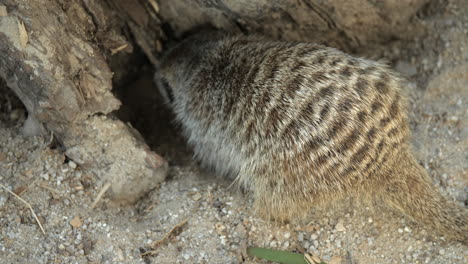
<point x="310" y="228"/>
<point x="3" y="11"/>
<point x="312" y="259"/>
<point x="19" y="190"/>
<point x="76" y="222"/>
<point x="28" y="172"/>
<point x="23" y="34"/>
<point x="197" y="196"/>
<point x="3" y="156"/>
<point x="308" y="259"/>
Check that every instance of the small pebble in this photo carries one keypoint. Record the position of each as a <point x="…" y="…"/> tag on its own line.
<point x="45" y="176"/>
<point x="340" y="227"/>
<point x="2" y="200"/>
<point x="316" y="243"/>
<point x="300" y="237"/>
<point x="72" y="164"/>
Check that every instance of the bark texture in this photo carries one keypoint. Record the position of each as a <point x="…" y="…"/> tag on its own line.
<point x="55" y="55"/>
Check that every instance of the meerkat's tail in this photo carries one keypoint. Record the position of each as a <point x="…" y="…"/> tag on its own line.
<point x="415" y="196"/>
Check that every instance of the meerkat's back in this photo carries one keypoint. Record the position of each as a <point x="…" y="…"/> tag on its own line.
<point x="300" y="124"/>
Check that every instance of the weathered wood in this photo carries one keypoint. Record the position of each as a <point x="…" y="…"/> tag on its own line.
<point x="348" y="25"/>
<point x="61" y="73"/>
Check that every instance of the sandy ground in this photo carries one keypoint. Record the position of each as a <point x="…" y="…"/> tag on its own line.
<point x="221" y="223"/>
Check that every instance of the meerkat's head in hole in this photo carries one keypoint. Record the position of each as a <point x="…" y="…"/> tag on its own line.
<point x="180" y="63"/>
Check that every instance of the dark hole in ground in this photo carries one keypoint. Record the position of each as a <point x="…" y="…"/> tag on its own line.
<point x="143" y="107"/>
<point x="12" y="111"/>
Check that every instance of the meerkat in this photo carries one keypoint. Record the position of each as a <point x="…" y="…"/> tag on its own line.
<point x="300" y="125"/>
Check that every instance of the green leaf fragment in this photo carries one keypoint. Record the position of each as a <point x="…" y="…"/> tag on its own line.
<point x="283" y="257"/>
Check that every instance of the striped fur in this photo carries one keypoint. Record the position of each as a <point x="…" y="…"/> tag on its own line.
<point x="299" y="124"/>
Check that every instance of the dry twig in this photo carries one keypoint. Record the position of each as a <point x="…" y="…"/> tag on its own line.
<point x="27" y="204"/>
<point x="155" y="5"/>
<point x="118" y="49"/>
<point x="171" y="232"/>
<point x="100" y="194"/>
<point x="27" y="187"/>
